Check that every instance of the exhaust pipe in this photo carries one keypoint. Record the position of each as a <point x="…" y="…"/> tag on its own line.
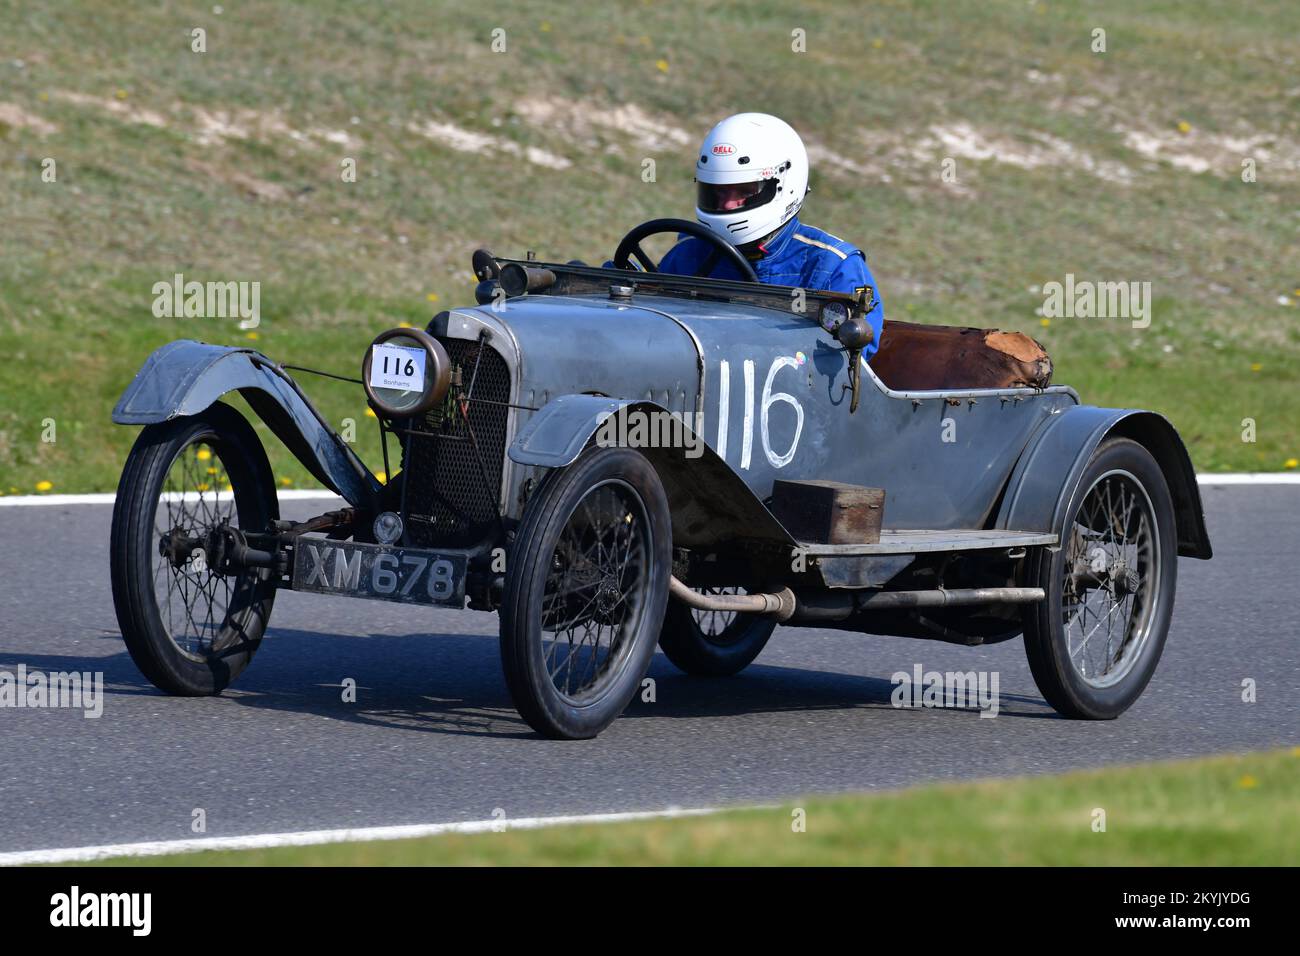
<point x="828" y="607"/>
<point x="942" y="598"/>
<point x="779" y="605"/>
<point x="841" y="605"/>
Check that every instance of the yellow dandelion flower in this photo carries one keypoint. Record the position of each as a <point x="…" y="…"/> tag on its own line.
<point x="212" y="471"/>
<point x="1044" y="322"/>
<point x="1255" y="366"/>
<point x="202" y="486"/>
<point x="382" y="476"/>
<point x="285" y="482"/>
<point x="252" y="335"/>
<point x="404" y="325"/>
<point x="1248" y="782"/>
<point x="661" y="65"/>
<point x="121" y="94"/>
<point x="1291" y="463"/>
<point x="228" y="487"/>
<point x="13" y="490"/>
<point x="1184" y="127"/>
<point x="546" y="27"/>
<point x="433" y="296"/>
<point x="203" y="454"/>
<point x="877" y="43"/>
<point x="370" y="412"/>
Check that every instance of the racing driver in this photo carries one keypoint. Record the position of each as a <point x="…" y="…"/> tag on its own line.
<point x="752" y="176"/>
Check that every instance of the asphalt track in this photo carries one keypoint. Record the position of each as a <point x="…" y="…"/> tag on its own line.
<point x="433" y="738"/>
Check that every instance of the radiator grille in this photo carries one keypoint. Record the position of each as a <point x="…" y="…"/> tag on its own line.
<point x="453" y="467"/>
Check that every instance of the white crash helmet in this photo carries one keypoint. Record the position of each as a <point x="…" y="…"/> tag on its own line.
<point x="751" y="176"/>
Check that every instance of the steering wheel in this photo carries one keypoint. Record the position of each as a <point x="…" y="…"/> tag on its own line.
<point x="631" y="246"/>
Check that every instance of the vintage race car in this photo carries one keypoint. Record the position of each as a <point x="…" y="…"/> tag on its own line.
<point x="614" y="459"/>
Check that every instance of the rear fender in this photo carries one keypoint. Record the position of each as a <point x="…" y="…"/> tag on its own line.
<point x="1043" y="481"/>
<point x="184" y="377"/>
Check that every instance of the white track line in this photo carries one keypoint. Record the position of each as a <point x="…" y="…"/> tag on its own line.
<point x="106" y="498"/>
<point x="1251" y="478"/>
<point x="307" y="494"/>
<point x="259" y="841"/>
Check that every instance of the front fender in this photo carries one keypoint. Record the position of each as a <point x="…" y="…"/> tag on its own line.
<point x="1049" y="469"/>
<point x="711" y="504"/>
<point x="185" y="377"/>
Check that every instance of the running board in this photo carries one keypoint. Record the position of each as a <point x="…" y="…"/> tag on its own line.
<point x="874" y="565"/>
<point x="922" y="542"/>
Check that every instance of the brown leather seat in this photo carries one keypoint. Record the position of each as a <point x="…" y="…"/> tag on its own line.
<point x="916" y="357"/>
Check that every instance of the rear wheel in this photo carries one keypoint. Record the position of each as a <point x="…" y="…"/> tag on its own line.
<point x="586" y="585"/>
<point x="1094" y="643"/>
<point x="190" y="629"/>
<point x="713" y="643"/>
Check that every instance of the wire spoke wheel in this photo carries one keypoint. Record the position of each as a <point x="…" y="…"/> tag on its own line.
<point x="197" y="497"/>
<point x="1094" y="641"/>
<point x="713" y="624"/>
<point x="190" y="628"/>
<point x="713" y="643"/>
<point x="595" y="591"/>
<point x="1111" y="572"/>
<point x="585" y="592"/>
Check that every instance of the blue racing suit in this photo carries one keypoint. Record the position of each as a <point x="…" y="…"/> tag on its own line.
<point x="798" y="256"/>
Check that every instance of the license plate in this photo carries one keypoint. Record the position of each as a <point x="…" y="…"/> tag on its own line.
<point x="408" y="575"/>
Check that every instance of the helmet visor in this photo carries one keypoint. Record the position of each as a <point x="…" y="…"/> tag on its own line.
<point x="734" y="197"/>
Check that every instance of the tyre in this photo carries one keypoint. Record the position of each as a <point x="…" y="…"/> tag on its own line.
<point x="189" y="629"/>
<point x="713" y="643"/>
<point x="586" y="585"/>
<point x="1095" y="640"/>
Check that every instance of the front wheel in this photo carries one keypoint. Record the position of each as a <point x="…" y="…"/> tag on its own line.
<point x="189" y="628"/>
<point x="1095" y="640"/>
<point x="586" y="585"/>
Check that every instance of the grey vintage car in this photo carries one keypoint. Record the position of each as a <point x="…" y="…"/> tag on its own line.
<point x="613" y="459"/>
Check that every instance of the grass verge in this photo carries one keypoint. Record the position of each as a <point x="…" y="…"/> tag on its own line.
<point x="1220" y="811"/>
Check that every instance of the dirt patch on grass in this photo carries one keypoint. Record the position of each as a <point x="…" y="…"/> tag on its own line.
<point x="1033" y="150"/>
<point x="116" y="107"/>
<point x="471" y="141"/>
<point x="249" y="185"/>
<point x="592" y="123"/>
<point x="1198" y="151"/>
<point x="15" y="117"/>
<point x="215" y="126"/>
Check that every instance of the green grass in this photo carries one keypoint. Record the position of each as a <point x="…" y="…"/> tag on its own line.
<point x="1219" y="811"/>
<point x="135" y="203"/>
